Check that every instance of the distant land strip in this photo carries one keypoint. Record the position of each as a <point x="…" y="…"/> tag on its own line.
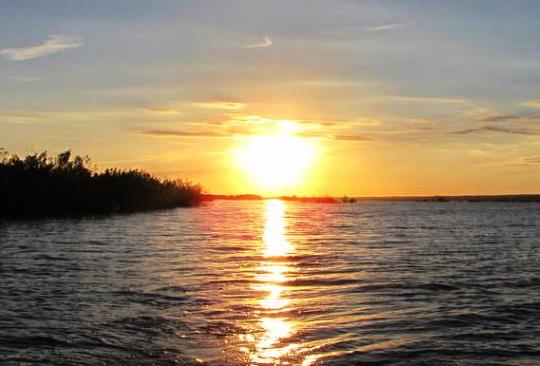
<point x="328" y="199"/>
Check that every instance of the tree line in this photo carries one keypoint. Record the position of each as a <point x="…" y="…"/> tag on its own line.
<point x="39" y="184"/>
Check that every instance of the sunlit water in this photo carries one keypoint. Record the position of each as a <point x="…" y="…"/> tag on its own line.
<point x="270" y="283"/>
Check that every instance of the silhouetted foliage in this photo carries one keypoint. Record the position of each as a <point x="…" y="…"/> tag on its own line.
<point x="42" y="185"/>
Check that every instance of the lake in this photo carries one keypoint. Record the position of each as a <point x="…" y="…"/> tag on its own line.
<point x="275" y="283"/>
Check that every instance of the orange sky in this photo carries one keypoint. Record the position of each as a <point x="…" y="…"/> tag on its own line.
<point x="388" y="99"/>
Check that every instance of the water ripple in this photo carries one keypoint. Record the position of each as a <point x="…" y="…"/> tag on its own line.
<point x="267" y="283"/>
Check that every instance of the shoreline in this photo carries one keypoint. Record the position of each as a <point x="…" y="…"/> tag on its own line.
<point x="523" y="198"/>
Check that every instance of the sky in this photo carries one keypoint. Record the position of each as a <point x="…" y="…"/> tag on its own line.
<point x="399" y="97"/>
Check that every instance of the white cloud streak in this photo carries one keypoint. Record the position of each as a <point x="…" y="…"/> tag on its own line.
<point x="28" y="78"/>
<point x="429" y="100"/>
<point x="232" y="106"/>
<point x="54" y="44"/>
<point x="267" y="42"/>
<point x="384" y="27"/>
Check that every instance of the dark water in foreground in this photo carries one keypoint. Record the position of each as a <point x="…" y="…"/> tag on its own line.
<point x="238" y="283"/>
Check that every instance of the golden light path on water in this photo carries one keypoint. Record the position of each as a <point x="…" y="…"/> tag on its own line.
<point x="281" y="337"/>
<point x="278" y="342"/>
<point x="275" y="269"/>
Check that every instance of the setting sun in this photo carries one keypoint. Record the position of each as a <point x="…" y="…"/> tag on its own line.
<point x="276" y="162"/>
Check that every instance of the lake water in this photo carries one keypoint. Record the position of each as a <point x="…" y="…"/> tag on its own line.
<point x="274" y="283"/>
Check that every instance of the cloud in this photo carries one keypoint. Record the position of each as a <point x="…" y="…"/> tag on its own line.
<point x="54" y="44"/>
<point x="384" y="27"/>
<point x="267" y="42"/>
<point x="180" y="133"/>
<point x="512" y="131"/>
<point x="161" y="111"/>
<point x="16" y="119"/>
<point x="252" y="126"/>
<point x="532" y="160"/>
<point x="28" y="78"/>
<point x="499" y="118"/>
<point x="352" y="138"/>
<point x="344" y="31"/>
<point x="532" y="103"/>
<point x="429" y="100"/>
<point x="506" y="117"/>
<point x="333" y="137"/>
<point x="230" y="106"/>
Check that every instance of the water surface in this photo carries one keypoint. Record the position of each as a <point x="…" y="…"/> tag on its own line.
<point x="270" y="283"/>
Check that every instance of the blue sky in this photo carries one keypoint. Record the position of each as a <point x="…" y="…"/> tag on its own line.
<point x="152" y="83"/>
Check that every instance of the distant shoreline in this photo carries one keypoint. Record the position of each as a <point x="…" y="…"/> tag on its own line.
<point x="328" y="199"/>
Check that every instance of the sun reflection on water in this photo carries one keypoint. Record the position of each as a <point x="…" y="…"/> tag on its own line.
<point x="274" y="230"/>
<point x="270" y="348"/>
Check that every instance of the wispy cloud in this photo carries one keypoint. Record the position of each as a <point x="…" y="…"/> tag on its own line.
<point x="28" y="78"/>
<point x="181" y="133"/>
<point x="54" y="44"/>
<point x="161" y="111"/>
<point x="385" y="27"/>
<point x="231" y="106"/>
<point x="508" y="117"/>
<point x="532" y="160"/>
<point x="352" y="138"/>
<point x="244" y="132"/>
<point x="254" y="125"/>
<point x="355" y="29"/>
<point x="499" y="118"/>
<point x="267" y="42"/>
<point x="532" y="103"/>
<point x="512" y="131"/>
<point x="16" y="119"/>
<point x="427" y="100"/>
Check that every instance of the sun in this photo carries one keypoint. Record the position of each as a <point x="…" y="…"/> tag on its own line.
<point x="274" y="163"/>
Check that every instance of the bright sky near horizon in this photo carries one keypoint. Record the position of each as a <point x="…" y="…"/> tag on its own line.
<point x="384" y="97"/>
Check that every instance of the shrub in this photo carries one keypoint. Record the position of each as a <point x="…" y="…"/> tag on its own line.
<point x="42" y="185"/>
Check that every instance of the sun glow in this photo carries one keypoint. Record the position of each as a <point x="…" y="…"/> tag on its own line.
<point x="276" y="162"/>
